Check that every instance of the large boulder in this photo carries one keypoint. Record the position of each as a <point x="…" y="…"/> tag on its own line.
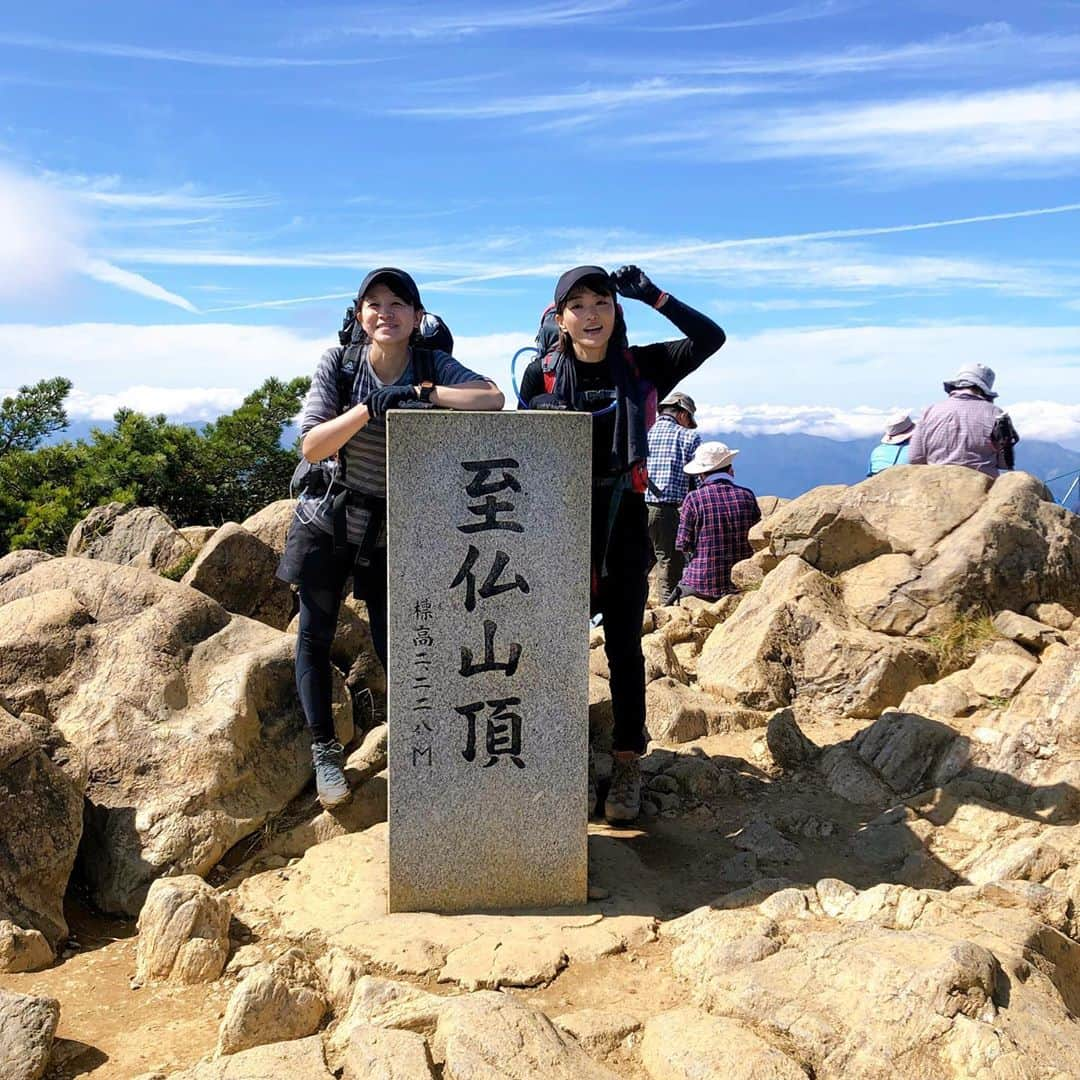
<point x="489" y="1034"/>
<point x="237" y="569"/>
<point x="271" y="524"/>
<point x="183" y="932"/>
<point x="916" y="546"/>
<point x="275" y="1002"/>
<point x="301" y="1059"/>
<point x="187" y="717"/>
<point x="793" y="640"/>
<point x="894" y="981"/>
<point x="27" y="1027"/>
<point x="40" y="827"/>
<point x="18" y="562"/>
<point x="140" y="536"/>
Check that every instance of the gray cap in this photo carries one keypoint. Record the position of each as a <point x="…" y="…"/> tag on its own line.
<point x="678" y="400"/>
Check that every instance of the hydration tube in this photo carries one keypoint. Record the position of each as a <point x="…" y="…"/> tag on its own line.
<point x="517" y="390"/>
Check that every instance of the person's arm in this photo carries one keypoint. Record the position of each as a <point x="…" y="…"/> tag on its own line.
<point x="478" y="394"/>
<point x="456" y="387"/>
<point x="667" y="363"/>
<point x="687" y="534"/>
<point x="323" y="430"/>
<point x="330" y="436"/>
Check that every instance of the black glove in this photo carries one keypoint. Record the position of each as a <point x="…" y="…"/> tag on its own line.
<point x="388" y="397"/>
<point x="633" y="283"/>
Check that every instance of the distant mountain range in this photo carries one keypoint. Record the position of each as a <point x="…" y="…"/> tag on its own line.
<point x="788" y="465"/>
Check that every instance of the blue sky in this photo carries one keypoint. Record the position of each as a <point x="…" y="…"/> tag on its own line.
<point x="863" y="194"/>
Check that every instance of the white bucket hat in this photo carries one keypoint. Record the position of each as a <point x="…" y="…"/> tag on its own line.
<point x="977" y="375"/>
<point x="898" y="429"/>
<point x="709" y="457"/>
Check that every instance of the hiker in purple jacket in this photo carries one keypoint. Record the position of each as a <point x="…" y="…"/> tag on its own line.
<point x="967" y="428"/>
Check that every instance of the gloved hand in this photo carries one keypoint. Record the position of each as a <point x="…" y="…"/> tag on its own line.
<point x="388" y="397"/>
<point x="633" y="283"/>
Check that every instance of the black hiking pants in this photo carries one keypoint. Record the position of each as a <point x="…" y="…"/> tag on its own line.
<point x="620" y="596"/>
<point x="323" y="572"/>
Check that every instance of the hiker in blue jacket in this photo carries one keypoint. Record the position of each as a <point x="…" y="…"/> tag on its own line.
<point x="893" y="448"/>
<point x="339" y="531"/>
<point x="594" y="369"/>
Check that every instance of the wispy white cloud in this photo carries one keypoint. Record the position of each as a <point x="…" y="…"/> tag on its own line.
<point x="890" y="366"/>
<point x="181" y="199"/>
<point x="178" y="403"/>
<point x="226" y="357"/>
<point x="576" y="103"/>
<point x="1034" y="128"/>
<point x="175" y="55"/>
<point x="105" y="272"/>
<point x="403" y="22"/>
<point x="821" y="259"/>
<point x="1047" y="420"/>
<point x="802" y="13"/>
<point x="987" y="45"/>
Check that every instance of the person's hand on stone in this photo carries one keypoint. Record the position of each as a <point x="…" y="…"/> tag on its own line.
<point x="633" y="283"/>
<point x="388" y="397"/>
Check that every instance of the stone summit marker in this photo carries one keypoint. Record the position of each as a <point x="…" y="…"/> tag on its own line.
<point x="488" y="545"/>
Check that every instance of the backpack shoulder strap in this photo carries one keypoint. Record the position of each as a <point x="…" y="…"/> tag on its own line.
<point x="548" y="365"/>
<point x="423" y="365"/>
<point x="348" y="364"/>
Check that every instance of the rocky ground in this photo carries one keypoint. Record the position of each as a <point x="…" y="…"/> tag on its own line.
<point x="859" y="856"/>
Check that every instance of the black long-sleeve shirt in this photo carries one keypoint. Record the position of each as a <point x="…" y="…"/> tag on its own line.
<point x="664" y="364"/>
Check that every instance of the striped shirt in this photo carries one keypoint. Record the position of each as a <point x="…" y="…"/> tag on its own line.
<point x="364" y="454"/>
<point x="713" y="527"/>
<point x="671" y="446"/>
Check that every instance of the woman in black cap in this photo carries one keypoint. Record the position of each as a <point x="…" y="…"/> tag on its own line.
<point x="340" y="532"/>
<point x="594" y="369"/>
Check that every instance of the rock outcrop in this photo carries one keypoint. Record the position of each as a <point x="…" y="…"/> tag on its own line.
<point x="141" y="536"/>
<point x="27" y="1026"/>
<point x="237" y="569"/>
<point x="183" y="932"/>
<point x="40" y="827"/>
<point x="186" y="715"/>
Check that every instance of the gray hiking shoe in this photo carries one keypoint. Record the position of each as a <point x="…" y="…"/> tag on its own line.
<point x="623" y="801"/>
<point x="593" y="794"/>
<point x="329" y="761"/>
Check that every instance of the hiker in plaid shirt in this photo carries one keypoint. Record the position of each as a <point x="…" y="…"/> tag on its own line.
<point x="716" y="518"/>
<point x="672" y="442"/>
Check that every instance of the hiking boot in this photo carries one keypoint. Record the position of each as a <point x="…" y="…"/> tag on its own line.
<point x="623" y="801"/>
<point x="329" y="761"/>
<point x="593" y="793"/>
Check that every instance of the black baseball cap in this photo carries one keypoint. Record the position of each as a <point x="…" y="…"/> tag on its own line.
<point x="396" y="280"/>
<point x="576" y="276"/>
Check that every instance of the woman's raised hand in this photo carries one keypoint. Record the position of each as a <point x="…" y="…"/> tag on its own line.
<point x="633" y="283"/>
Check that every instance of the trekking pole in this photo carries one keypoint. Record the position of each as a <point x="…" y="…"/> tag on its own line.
<point x="1065" y="476"/>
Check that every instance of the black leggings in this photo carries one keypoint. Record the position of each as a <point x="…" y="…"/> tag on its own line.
<point x="621" y="598"/>
<point x="322" y="581"/>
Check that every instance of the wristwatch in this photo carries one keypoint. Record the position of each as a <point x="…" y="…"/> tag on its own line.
<point x="424" y="392"/>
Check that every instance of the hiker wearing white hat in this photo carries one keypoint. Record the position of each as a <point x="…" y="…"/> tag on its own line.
<point x="893" y="448"/>
<point x="967" y="428"/>
<point x="672" y="442"/>
<point x="713" y="526"/>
